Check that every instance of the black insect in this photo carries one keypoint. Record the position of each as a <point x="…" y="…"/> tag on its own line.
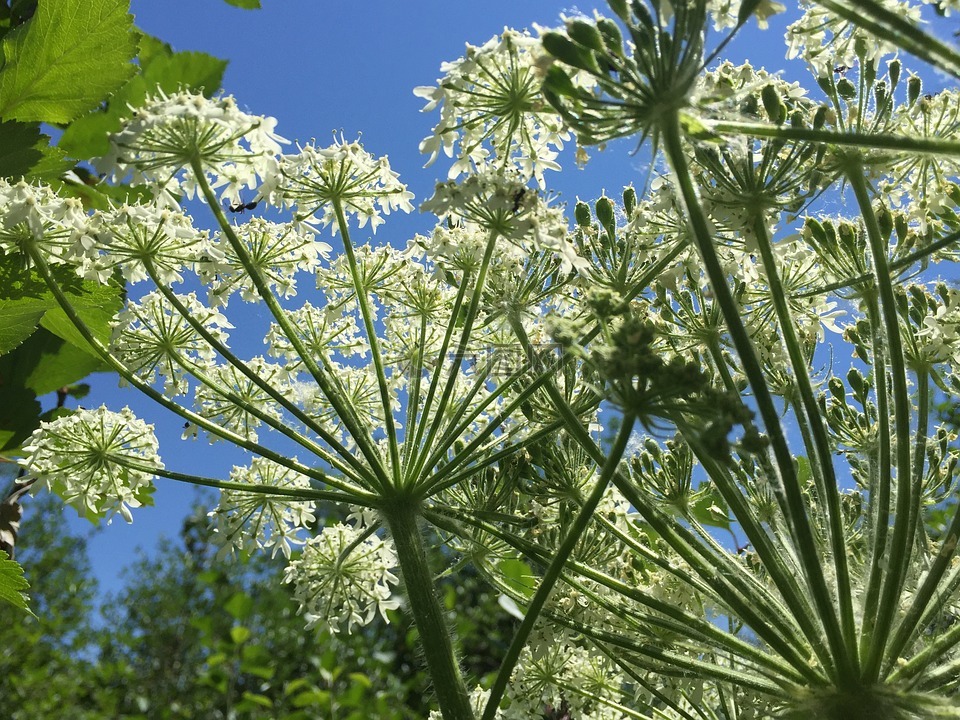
<point x="241" y="206"/>
<point x="518" y="199"/>
<point x="840" y="69"/>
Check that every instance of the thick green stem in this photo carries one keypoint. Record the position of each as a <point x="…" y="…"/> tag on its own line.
<point x="402" y="518"/>
<point x="553" y="572"/>
<point x="901" y="543"/>
<point x="819" y="452"/>
<point x="799" y="522"/>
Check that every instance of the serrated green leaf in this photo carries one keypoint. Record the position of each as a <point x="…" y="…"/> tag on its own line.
<point x="88" y="136"/>
<point x="245" y="4"/>
<point x="52" y="363"/>
<point x="66" y="59"/>
<point x="18" y="320"/>
<point x="26" y="152"/>
<point x="13" y="583"/>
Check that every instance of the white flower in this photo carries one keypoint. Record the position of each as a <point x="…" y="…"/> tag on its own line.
<point x="248" y="521"/>
<point x="315" y="179"/>
<point x="492" y="96"/>
<point x="343" y="578"/>
<point x="725" y="12"/>
<point x="808" y="38"/>
<point x="98" y="461"/>
<point x="278" y="251"/>
<point x="132" y="237"/>
<point x="152" y="338"/>
<point x="165" y="133"/>
<point x="214" y="404"/>
<point x="34" y="216"/>
<point x="478" y="701"/>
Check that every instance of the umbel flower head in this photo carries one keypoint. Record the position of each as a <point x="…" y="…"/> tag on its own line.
<point x="491" y="96"/>
<point x="317" y="180"/>
<point x="249" y="521"/>
<point x="343" y="577"/>
<point x="168" y="133"/>
<point x="96" y="460"/>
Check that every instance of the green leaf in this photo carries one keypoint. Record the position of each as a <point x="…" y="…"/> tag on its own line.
<point x="22" y="292"/>
<point x="239" y="634"/>
<point x="67" y="58"/>
<point x="310" y="698"/>
<point x="88" y="136"/>
<point x="518" y="575"/>
<point x="47" y="363"/>
<point x="26" y="152"/>
<point x="245" y="4"/>
<point x="255" y="699"/>
<point x="13" y="583"/>
<point x="18" y="320"/>
<point x="239" y="605"/>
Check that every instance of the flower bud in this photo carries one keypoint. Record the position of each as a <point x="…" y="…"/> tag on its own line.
<point x="914" y="88"/>
<point x="581" y="213"/>
<point x="604" y="209"/>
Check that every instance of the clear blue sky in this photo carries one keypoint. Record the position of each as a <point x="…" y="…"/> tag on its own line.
<point x="329" y="66"/>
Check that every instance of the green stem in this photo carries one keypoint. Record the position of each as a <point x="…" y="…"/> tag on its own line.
<point x="929" y="588"/>
<point x="356" y="471"/>
<point x="166" y="402"/>
<point x="880" y="482"/>
<point x="553" y="572"/>
<point x="906" y="144"/>
<point x="901" y="543"/>
<point x="472" y="310"/>
<point x="364" y="499"/>
<point x="345" y="412"/>
<point x="402" y="518"/>
<point x="820" y="451"/>
<point x="364" y="301"/>
<point x="896" y="265"/>
<point x="804" y="540"/>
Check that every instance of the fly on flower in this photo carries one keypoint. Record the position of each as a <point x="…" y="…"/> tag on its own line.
<point x="240" y="206"/>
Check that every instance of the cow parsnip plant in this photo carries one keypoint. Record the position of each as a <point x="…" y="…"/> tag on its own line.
<point x="763" y="535"/>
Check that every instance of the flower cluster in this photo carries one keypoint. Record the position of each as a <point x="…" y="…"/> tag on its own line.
<point x="826" y="41"/>
<point x="340" y="178"/>
<point x="344" y="577"/>
<point x="258" y="520"/>
<point x="189" y="133"/>
<point x="33" y="216"/>
<point x="99" y="461"/>
<point x="492" y="111"/>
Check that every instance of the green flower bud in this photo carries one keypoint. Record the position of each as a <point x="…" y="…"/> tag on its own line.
<point x="893" y="71"/>
<point x="914" y="88"/>
<point x="585" y="34"/>
<point x="604" y="210"/>
<point x="776" y="110"/>
<point x="581" y="214"/>
<point x="612" y="38"/>
<point x="629" y="200"/>
<point x="846" y="89"/>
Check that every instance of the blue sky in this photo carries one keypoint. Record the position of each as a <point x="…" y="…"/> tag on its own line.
<point x="323" y="67"/>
